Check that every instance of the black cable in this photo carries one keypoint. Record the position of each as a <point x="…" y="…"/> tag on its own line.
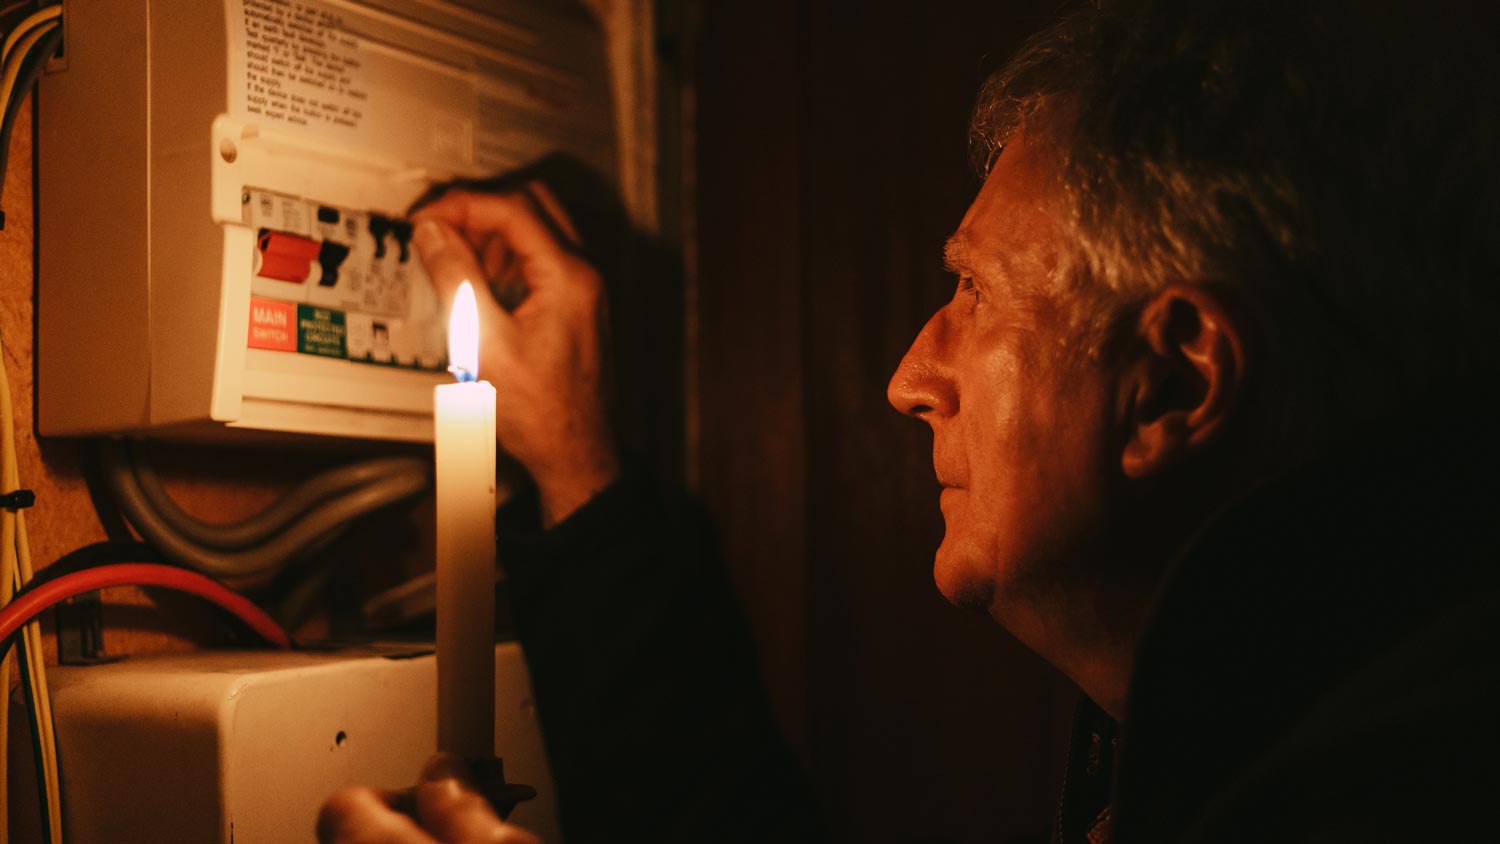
<point x="36" y="735"/>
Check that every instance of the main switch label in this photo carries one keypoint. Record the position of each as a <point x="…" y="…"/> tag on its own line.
<point x="271" y="325"/>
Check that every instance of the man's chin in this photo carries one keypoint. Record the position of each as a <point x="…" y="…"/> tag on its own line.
<point x="960" y="586"/>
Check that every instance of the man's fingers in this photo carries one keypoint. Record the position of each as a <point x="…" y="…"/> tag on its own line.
<point x="450" y="261"/>
<point x="365" y="816"/>
<point x="516" y="216"/>
<point x="449" y="807"/>
<point x="443" y="766"/>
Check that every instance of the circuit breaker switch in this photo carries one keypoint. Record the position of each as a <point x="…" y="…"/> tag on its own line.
<point x="286" y="257"/>
<point x="379" y="228"/>
<point x="331" y="256"/>
<point x="403" y="231"/>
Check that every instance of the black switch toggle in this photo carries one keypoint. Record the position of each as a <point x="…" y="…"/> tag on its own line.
<point x="379" y="228"/>
<point x="327" y="215"/>
<point x="402" y="230"/>
<point x="330" y="257"/>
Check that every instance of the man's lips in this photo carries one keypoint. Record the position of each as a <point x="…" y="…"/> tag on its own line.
<point x="949" y="469"/>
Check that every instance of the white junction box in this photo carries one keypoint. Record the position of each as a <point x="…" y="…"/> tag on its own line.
<point x="221" y="186"/>
<point x="242" y="747"/>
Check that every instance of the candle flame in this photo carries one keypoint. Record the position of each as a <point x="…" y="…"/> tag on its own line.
<point x="463" y="335"/>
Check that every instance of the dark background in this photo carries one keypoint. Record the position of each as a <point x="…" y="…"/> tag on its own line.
<point x="831" y="164"/>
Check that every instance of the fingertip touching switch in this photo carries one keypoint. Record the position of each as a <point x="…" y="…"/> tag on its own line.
<point x="331" y="256"/>
<point x="287" y="257"/>
<point x="402" y="230"/>
<point x="379" y="228"/>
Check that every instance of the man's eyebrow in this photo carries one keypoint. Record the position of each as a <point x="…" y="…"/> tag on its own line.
<point x="956" y="258"/>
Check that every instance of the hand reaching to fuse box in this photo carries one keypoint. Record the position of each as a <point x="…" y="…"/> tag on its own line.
<point x="542" y="318"/>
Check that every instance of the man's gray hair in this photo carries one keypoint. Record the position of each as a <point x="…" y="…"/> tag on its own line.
<point x="1328" y="164"/>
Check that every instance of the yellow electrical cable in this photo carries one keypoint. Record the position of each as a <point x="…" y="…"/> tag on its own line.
<point x="40" y="16"/>
<point x="15" y="561"/>
<point x="7" y="588"/>
<point x="15" y="551"/>
<point x="14" y="61"/>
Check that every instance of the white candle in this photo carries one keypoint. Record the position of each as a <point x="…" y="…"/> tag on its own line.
<point x="464" y="453"/>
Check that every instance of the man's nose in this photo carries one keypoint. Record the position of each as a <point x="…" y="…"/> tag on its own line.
<point x="922" y="385"/>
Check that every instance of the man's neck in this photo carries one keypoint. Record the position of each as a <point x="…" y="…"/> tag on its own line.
<point x="1089" y="623"/>
<point x="1094" y="649"/>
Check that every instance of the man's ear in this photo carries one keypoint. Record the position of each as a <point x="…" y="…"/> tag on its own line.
<point x="1188" y="381"/>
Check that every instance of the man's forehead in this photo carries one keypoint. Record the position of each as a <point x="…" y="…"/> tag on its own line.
<point x="1010" y="229"/>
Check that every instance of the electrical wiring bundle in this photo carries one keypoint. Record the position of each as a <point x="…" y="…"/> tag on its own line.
<point x="28" y="45"/>
<point x="32" y="35"/>
<point x="293" y="530"/>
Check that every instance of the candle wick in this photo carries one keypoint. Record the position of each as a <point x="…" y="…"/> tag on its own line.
<point x="462" y="374"/>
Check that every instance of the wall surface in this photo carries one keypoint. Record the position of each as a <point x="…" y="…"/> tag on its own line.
<point x="832" y="165"/>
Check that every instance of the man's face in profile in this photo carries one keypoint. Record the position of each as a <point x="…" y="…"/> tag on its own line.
<point x="1019" y="410"/>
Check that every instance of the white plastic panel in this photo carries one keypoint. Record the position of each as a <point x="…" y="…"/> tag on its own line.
<point x="241" y="747"/>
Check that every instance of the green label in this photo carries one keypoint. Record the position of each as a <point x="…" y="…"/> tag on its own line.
<point x="320" y="331"/>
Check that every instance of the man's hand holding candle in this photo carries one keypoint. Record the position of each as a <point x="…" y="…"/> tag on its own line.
<point x="445" y="804"/>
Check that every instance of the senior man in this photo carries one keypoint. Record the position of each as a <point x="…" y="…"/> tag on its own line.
<point x="1209" y="420"/>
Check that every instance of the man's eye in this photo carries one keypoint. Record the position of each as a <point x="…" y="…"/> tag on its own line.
<point x="966" y="285"/>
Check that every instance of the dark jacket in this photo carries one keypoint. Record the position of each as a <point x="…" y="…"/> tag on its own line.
<point x="1321" y="666"/>
<point x="656" y="722"/>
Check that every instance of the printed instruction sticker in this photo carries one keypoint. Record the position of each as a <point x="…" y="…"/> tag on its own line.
<point x="336" y="71"/>
<point x="301" y="65"/>
<point x="320" y="331"/>
<point x="271" y="325"/>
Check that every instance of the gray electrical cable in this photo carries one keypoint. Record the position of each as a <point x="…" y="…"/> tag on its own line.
<point x="259" y="528"/>
<point x="252" y="566"/>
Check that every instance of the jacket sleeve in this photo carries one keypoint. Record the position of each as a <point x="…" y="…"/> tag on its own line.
<point x="655" y="719"/>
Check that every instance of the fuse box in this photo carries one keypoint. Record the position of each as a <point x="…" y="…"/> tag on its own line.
<point x="221" y="190"/>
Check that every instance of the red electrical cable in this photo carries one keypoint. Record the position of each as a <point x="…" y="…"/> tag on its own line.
<point x="30" y="603"/>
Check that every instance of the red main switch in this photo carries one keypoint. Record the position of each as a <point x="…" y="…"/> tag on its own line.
<point x="287" y="257"/>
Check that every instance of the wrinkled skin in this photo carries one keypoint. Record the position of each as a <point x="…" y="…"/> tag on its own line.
<point x="1020" y="419"/>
